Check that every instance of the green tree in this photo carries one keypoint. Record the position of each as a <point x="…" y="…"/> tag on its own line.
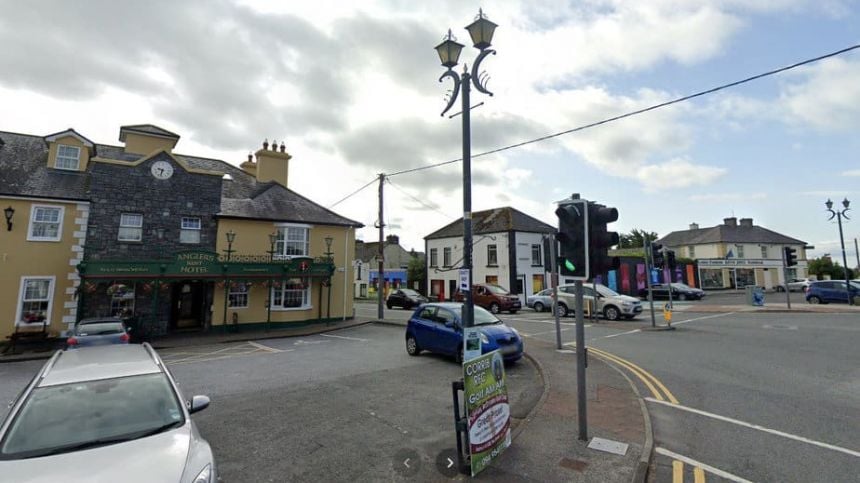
<point x="636" y="238"/>
<point x="416" y="271"/>
<point x="825" y="266"/>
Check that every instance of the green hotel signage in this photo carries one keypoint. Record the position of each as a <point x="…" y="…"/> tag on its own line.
<point x="205" y="264"/>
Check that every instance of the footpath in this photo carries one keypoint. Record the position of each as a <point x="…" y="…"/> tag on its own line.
<point x="800" y="308"/>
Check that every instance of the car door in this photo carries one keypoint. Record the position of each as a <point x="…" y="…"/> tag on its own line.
<point x="397" y="299"/>
<point x="447" y="338"/>
<point x="424" y="326"/>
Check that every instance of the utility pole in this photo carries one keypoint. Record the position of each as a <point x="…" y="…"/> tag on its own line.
<point x="469" y="308"/>
<point x="554" y="281"/>
<point x="581" y="361"/>
<point x="380" y="281"/>
<point x="857" y="253"/>
<point x="648" y="268"/>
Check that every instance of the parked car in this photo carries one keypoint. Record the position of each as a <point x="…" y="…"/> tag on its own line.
<point x="610" y="303"/>
<point x="826" y="291"/>
<point x="438" y="327"/>
<point x="110" y="413"/>
<point x="98" y="331"/>
<point x="493" y="298"/>
<point x="795" y="285"/>
<point x="680" y="291"/>
<point x="540" y="301"/>
<point x="405" y="298"/>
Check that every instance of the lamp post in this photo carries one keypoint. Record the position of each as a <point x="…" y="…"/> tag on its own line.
<point x="481" y="32"/>
<point x="231" y="237"/>
<point x="273" y="239"/>
<point x="8" y="213"/>
<point x="328" y="254"/>
<point x="839" y="214"/>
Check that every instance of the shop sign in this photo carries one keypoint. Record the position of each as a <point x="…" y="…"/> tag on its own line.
<point x="731" y="262"/>
<point x="487" y="409"/>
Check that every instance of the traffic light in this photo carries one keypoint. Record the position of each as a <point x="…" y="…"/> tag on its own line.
<point x="790" y="256"/>
<point x="573" y="239"/>
<point x="670" y="260"/>
<point x="600" y="239"/>
<point x="657" y="255"/>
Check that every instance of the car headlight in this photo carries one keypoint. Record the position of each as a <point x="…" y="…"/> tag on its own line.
<point x="627" y="304"/>
<point x="205" y="475"/>
<point x="484" y="338"/>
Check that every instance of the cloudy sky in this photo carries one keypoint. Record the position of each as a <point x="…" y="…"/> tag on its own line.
<point x="353" y="91"/>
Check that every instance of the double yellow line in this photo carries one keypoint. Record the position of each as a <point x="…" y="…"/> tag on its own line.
<point x="678" y="473"/>
<point x="658" y="390"/>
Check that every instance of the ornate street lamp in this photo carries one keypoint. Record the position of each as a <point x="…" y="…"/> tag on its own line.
<point x="839" y="214"/>
<point x="231" y="237"/>
<point x="8" y="213"/>
<point x="481" y="31"/>
<point x="328" y="251"/>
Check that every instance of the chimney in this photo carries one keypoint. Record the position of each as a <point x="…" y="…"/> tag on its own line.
<point x="730" y="221"/>
<point x="746" y="222"/>
<point x="392" y="239"/>
<point x="249" y="166"/>
<point x="694" y="226"/>
<point x="272" y="165"/>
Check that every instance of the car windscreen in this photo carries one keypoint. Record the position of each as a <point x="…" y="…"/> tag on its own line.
<point x="484" y="317"/>
<point x="409" y="292"/>
<point x="79" y="415"/>
<point x="606" y="291"/>
<point x="99" y="328"/>
<point x="497" y="290"/>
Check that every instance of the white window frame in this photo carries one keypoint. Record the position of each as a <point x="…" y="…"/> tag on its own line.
<point x="434" y="257"/>
<point x="52" y="281"/>
<point x="740" y="253"/>
<point x="764" y="252"/>
<point x="494" y="260"/>
<point x="282" y="241"/>
<point x="539" y="261"/>
<point x="188" y="230"/>
<point x="65" y="158"/>
<point x="139" y="227"/>
<point x="446" y="257"/>
<point x="33" y="209"/>
<point x="231" y="293"/>
<point x="306" y="297"/>
<point x="119" y="305"/>
<point x="692" y="251"/>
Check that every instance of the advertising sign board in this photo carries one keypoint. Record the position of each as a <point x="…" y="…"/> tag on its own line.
<point x="487" y="409"/>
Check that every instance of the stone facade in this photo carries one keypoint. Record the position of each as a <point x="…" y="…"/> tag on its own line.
<point x="117" y="189"/>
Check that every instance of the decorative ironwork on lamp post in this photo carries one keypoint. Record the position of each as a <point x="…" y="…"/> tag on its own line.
<point x="231" y="237"/>
<point x="327" y="281"/>
<point x="8" y="213"/>
<point x="481" y="31"/>
<point x="839" y="214"/>
<point x="273" y="239"/>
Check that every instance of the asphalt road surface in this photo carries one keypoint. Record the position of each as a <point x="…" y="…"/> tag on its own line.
<point x="735" y="397"/>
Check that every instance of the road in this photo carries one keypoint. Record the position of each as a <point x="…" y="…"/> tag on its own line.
<point x="349" y="405"/>
<point x="760" y="397"/>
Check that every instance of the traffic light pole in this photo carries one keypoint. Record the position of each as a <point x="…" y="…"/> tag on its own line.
<point x="785" y="277"/>
<point x="669" y="283"/>
<point x="554" y="281"/>
<point x="581" y="361"/>
<point x="648" y="268"/>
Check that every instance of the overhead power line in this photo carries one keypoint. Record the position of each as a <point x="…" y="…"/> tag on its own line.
<point x="374" y="180"/>
<point x="420" y="201"/>
<point x="636" y="112"/>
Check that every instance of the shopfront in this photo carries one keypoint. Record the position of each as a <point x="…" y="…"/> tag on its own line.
<point x="718" y="273"/>
<point x="201" y="290"/>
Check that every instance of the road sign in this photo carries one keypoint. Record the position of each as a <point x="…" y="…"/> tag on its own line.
<point x="464" y="279"/>
<point x="487" y="409"/>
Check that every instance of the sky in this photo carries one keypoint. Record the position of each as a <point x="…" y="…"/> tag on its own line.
<point x="353" y="90"/>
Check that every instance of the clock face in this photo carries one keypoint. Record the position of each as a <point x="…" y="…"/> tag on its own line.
<point x="162" y="169"/>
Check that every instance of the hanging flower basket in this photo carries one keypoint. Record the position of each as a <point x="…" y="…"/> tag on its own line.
<point x="117" y="289"/>
<point x="146" y="287"/>
<point x="90" y="287"/>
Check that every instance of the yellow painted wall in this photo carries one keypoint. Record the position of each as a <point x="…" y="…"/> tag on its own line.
<point x="273" y="166"/>
<point x="20" y="257"/>
<point x="141" y="144"/>
<point x="252" y="238"/>
<point x="69" y="141"/>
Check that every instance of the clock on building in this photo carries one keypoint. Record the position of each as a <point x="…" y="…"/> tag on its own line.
<point x="162" y="169"/>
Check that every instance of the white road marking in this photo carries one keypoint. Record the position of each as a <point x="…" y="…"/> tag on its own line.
<point x="757" y="427"/>
<point x="616" y="335"/>
<point x="342" y="337"/>
<point x="264" y="347"/>
<point x="542" y="333"/>
<point x="308" y="342"/>
<point x="708" y="468"/>
<point x="536" y="321"/>
<point x="703" y="318"/>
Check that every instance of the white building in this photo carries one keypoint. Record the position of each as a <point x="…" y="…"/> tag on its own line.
<point x="507" y="251"/>
<point x="737" y="254"/>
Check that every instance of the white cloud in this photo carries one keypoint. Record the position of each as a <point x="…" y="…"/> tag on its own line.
<point x="727" y="197"/>
<point x="677" y="173"/>
<point x="828" y="98"/>
<point x="851" y="172"/>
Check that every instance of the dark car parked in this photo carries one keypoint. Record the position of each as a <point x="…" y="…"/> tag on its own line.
<point x="437" y="327"/>
<point x="493" y="298"/>
<point x="98" y="331"/>
<point x="680" y="291"/>
<point x="405" y="298"/>
<point x="826" y="291"/>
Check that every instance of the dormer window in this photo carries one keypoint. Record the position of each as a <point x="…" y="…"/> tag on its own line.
<point x="68" y="157"/>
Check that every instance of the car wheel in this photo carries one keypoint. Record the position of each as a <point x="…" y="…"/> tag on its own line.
<point x="538" y="307"/>
<point x="682" y="297"/>
<point x="611" y="313"/>
<point x="814" y="300"/>
<point x="561" y="309"/>
<point x="780" y="289"/>
<point x="494" y="308"/>
<point x="389" y="305"/>
<point x="412" y="346"/>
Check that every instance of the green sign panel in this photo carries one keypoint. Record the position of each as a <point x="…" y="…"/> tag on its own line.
<point x="487" y="408"/>
<point x="204" y="264"/>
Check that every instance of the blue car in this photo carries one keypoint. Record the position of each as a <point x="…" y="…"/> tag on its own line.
<point x="98" y="331"/>
<point x="437" y="327"/>
<point x="825" y="291"/>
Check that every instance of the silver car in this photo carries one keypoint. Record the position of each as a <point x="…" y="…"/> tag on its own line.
<point x="540" y="301"/>
<point x="106" y="414"/>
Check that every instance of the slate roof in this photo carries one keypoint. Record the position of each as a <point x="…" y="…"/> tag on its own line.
<point x="494" y="221"/>
<point x="146" y="129"/>
<point x="727" y="234"/>
<point x="24" y="171"/>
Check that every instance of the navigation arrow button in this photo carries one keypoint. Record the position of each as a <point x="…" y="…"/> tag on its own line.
<point x="450" y="462"/>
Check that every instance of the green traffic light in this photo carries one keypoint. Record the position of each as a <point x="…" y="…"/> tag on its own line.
<point x="568" y="265"/>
